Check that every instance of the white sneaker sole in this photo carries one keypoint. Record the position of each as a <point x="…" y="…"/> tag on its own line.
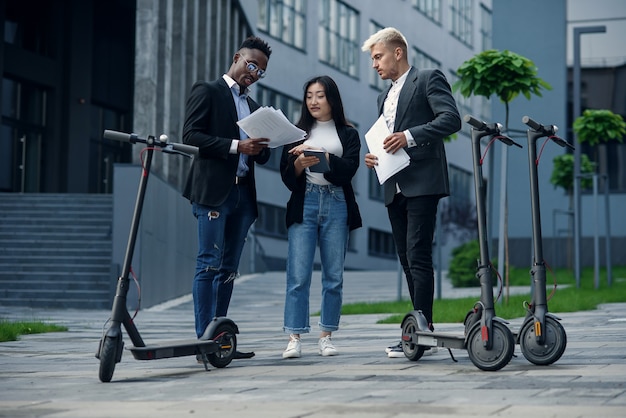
<point x="291" y="354"/>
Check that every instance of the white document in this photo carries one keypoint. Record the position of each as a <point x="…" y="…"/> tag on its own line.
<point x="267" y="122"/>
<point x="388" y="164"/>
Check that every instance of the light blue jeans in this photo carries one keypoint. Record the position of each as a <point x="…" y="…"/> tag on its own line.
<point x="324" y="223"/>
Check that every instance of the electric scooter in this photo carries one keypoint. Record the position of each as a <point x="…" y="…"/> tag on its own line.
<point x="216" y="346"/>
<point x="487" y="339"/>
<point x="542" y="338"/>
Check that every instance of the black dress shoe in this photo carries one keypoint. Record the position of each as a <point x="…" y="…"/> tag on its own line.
<point x="241" y="355"/>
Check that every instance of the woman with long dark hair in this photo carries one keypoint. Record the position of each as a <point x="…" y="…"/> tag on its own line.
<point x="322" y="210"/>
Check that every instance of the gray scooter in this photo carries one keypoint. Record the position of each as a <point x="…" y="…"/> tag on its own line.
<point x="487" y="339"/>
<point x="216" y="346"/>
<point x="542" y="338"/>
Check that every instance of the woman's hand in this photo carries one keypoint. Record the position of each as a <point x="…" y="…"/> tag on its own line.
<point x="297" y="150"/>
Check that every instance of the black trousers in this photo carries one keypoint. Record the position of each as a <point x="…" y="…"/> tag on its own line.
<point x="413" y="222"/>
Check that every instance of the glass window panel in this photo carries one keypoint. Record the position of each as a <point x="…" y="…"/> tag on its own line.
<point x="9" y="98"/>
<point x="339" y="34"/>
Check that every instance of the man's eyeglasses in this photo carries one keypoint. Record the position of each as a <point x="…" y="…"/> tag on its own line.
<point x="252" y="67"/>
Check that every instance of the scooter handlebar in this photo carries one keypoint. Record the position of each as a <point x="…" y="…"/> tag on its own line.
<point x="119" y="136"/>
<point x="184" y="148"/>
<point x="535" y="125"/>
<point x="167" y="147"/>
<point x="480" y="125"/>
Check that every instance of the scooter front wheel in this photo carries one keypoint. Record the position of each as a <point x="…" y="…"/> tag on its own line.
<point x="226" y="341"/>
<point x="501" y="351"/>
<point x="412" y="351"/>
<point x="554" y="344"/>
<point x="109" y="354"/>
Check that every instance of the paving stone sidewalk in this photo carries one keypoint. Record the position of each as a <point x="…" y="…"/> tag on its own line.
<point x="56" y="375"/>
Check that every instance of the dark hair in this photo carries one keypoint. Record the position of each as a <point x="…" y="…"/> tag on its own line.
<point x="254" y="42"/>
<point x="333" y="97"/>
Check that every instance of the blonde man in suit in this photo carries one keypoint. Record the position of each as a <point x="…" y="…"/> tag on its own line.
<point x="420" y="111"/>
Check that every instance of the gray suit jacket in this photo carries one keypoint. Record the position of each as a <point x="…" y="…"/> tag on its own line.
<point x="427" y="109"/>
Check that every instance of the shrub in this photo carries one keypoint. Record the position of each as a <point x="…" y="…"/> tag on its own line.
<point x="463" y="265"/>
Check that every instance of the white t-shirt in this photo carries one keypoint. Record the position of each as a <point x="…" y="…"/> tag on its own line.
<point x="324" y="136"/>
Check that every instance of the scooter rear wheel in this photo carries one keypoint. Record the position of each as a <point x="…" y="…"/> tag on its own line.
<point x="553" y="346"/>
<point x="412" y="351"/>
<point x="226" y="340"/>
<point x="501" y="351"/>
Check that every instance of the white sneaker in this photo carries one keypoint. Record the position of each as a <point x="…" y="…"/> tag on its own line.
<point x="430" y="351"/>
<point x="394" y="347"/>
<point x="293" y="349"/>
<point x="395" y="351"/>
<point x="326" y="347"/>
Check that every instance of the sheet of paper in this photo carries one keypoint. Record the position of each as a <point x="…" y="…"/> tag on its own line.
<point x="388" y="164"/>
<point x="267" y="122"/>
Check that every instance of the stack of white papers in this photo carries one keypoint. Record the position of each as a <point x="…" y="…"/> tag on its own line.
<point x="267" y="122"/>
<point x="388" y="164"/>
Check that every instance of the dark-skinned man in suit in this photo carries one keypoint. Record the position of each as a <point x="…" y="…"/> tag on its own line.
<point x="221" y="184"/>
<point x="420" y="112"/>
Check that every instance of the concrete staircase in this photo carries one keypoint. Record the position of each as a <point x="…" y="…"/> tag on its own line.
<point x="55" y="250"/>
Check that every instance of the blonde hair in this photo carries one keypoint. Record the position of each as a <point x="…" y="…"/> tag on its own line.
<point x="391" y="37"/>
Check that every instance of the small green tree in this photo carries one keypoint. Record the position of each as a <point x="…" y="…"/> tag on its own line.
<point x="563" y="172"/>
<point x="596" y="126"/>
<point x="503" y="73"/>
<point x="563" y="176"/>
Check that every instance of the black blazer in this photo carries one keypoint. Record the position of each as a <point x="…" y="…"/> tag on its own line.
<point x="342" y="169"/>
<point x="427" y="109"/>
<point x="211" y="125"/>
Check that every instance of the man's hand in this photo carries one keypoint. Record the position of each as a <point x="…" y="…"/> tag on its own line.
<point x="252" y="146"/>
<point x="371" y="160"/>
<point x="394" y="142"/>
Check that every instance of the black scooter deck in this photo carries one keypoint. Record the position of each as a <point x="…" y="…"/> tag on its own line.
<point x="179" y="348"/>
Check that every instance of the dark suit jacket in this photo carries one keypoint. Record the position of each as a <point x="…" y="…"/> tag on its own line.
<point x="427" y="109"/>
<point x="211" y="125"/>
<point x="342" y="169"/>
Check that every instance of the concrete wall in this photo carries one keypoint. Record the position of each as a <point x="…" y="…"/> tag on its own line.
<point x="165" y="253"/>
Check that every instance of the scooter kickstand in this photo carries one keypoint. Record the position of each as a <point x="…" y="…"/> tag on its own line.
<point x="205" y="360"/>
<point x="452" y="355"/>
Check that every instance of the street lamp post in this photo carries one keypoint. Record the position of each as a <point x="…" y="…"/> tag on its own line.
<point x="577" y="110"/>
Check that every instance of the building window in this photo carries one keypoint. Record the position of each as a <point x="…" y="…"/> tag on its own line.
<point x="485" y="27"/>
<point x="285" y="20"/>
<point x="375" y="188"/>
<point x="29" y="28"/>
<point x="463" y="104"/>
<point x="462" y="26"/>
<point x="460" y="186"/>
<point x="429" y="8"/>
<point x="423" y="60"/>
<point x="290" y="108"/>
<point x="339" y="36"/>
<point x="458" y="213"/>
<point x="374" y="79"/>
<point x="381" y="244"/>
<point x="271" y="221"/>
<point x="22" y="134"/>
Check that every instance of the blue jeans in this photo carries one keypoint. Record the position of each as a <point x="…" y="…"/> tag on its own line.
<point x="222" y="232"/>
<point x="325" y="222"/>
